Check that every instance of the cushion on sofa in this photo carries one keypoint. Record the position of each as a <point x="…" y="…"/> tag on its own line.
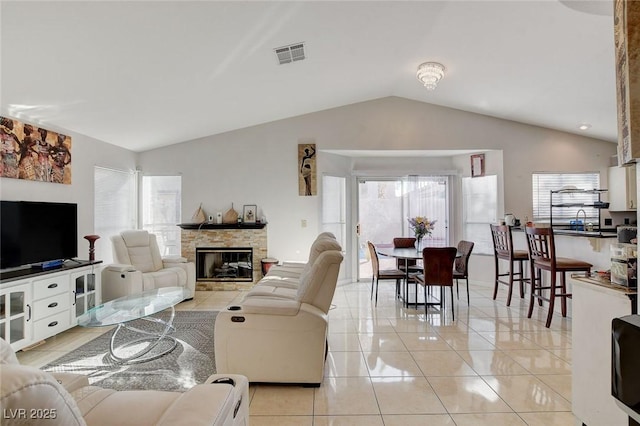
<point x="167" y="277"/>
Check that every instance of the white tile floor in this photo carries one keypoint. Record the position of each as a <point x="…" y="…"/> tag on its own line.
<point x="392" y="366"/>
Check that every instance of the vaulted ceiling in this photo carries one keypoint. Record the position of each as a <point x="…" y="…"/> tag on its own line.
<point x="144" y="74"/>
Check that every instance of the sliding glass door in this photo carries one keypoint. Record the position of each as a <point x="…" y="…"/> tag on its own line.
<point x="386" y="204"/>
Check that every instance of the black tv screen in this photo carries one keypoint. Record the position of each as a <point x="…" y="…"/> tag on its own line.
<point x="34" y="232"/>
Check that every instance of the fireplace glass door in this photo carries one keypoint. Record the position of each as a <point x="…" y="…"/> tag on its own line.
<point x="224" y="264"/>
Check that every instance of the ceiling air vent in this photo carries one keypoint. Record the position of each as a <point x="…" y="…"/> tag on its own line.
<point x="291" y="53"/>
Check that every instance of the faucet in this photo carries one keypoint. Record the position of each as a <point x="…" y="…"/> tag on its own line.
<point x="584" y="223"/>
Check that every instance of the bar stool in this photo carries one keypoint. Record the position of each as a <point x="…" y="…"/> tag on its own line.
<point x="503" y="249"/>
<point x="542" y="252"/>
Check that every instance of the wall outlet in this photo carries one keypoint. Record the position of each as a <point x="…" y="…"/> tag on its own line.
<point x="303" y="223"/>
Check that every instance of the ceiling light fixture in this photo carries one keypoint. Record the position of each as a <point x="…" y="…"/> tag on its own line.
<point x="430" y="73"/>
<point x="584" y="126"/>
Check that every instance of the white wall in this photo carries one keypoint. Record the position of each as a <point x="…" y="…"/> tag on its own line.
<point x="258" y="165"/>
<point x="85" y="154"/>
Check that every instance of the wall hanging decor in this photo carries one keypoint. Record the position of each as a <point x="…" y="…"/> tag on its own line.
<point x="477" y="165"/>
<point x="34" y="153"/>
<point x="307" y="181"/>
<point x="627" y="48"/>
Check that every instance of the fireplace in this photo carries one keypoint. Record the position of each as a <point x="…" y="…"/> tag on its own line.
<point x="224" y="264"/>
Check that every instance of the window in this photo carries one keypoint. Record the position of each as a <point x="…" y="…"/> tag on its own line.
<point x="161" y="211"/>
<point x="115" y="204"/>
<point x="480" y="209"/>
<point x="544" y="183"/>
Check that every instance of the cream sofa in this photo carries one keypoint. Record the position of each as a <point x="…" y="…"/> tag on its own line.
<point x="31" y="396"/>
<point x="284" y="280"/>
<point x="139" y="267"/>
<point x="279" y="334"/>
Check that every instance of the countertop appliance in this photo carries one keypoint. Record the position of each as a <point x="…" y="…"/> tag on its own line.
<point x="510" y="219"/>
<point x="625" y="368"/>
<point x="627" y="233"/>
<point x="624" y="261"/>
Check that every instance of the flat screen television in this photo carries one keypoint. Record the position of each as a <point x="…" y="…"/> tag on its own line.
<point x="33" y="232"/>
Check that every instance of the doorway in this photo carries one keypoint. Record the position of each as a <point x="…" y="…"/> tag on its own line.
<point x="386" y="204"/>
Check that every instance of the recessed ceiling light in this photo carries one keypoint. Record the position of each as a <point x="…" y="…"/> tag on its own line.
<point x="584" y="126"/>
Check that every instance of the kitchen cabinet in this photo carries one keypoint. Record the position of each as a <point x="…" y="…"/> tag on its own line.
<point x="85" y="285"/>
<point x="37" y="304"/>
<point x="622" y="189"/>
<point x="15" y="314"/>
<point x="594" y="306"/>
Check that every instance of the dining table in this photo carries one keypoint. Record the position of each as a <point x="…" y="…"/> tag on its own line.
<point x="406" y="254"/>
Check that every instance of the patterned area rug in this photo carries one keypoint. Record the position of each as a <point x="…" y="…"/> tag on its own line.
<point x="190" y="363"/>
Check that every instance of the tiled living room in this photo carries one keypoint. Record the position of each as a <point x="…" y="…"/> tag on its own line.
<point x="389" y="365"/>
<point x="150" y="115"/>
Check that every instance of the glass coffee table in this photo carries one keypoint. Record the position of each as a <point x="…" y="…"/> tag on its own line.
<point x="128" y="308"/>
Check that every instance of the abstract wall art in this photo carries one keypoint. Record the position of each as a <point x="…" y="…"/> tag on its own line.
<point x="34" y="153"/>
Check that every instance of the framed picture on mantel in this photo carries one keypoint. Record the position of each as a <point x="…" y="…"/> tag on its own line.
<point x="249" y="213"/>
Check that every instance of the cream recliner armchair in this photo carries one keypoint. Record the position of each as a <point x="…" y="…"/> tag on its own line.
<point x="140" y="267"/>
<point x="279" y="339"/>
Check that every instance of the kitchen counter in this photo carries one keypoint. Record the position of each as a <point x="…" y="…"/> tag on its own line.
<point x="572" y="233"/>
<point x="603" y="281"/>
<point x="590" y="234"/>
<point x="595" y="303"/>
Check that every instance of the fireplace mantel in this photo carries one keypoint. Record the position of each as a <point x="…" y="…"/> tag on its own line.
<point x="209" y="225"/>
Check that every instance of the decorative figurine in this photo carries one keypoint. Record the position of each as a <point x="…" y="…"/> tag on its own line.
<point x="92" y="250"/>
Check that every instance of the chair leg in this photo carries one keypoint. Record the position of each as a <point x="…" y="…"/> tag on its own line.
<point x="453" y="314"/>
<point x="377" y="284"/>
<point x="468" y="299"/>
<point x="521" y="280"/>
<point x="563" y="289"/>
<point x="457" y="289"/>
<point x="510" y="283"/>
<point x="373" y="280"/>
<point x="495" y="284"/>
<point x="552" y="299"/>
<point x="532" y="299"/>
<point x="425" y="298"/>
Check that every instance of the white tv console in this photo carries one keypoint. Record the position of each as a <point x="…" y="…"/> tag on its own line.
<point x="36" y="304"/>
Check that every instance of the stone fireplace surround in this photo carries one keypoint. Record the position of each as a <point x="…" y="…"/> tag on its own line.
<point x="223" y="235"/>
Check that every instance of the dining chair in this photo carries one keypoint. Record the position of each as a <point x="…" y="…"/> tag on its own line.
<point x="404" y="264"/>
<point x="503" y="250"/>
<point x="382" y="274"/>
<point x="461" y="265"/>
<point x="542" y="252"/>
<point x="404" y="242"/>
<point x="438" y="272"/>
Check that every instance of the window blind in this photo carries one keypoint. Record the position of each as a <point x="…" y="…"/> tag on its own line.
<point x="115" y="206"/>
<point x="544" y="183"/>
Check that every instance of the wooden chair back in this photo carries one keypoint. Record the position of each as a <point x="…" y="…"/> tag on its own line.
<point x="438" y="265"/>
<point x="502" y="241"/>
<point x="404" y="242"/>
<point x="461" y="265"/>
<point x="541" y="245"/>
<point x="375" y="264"/>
